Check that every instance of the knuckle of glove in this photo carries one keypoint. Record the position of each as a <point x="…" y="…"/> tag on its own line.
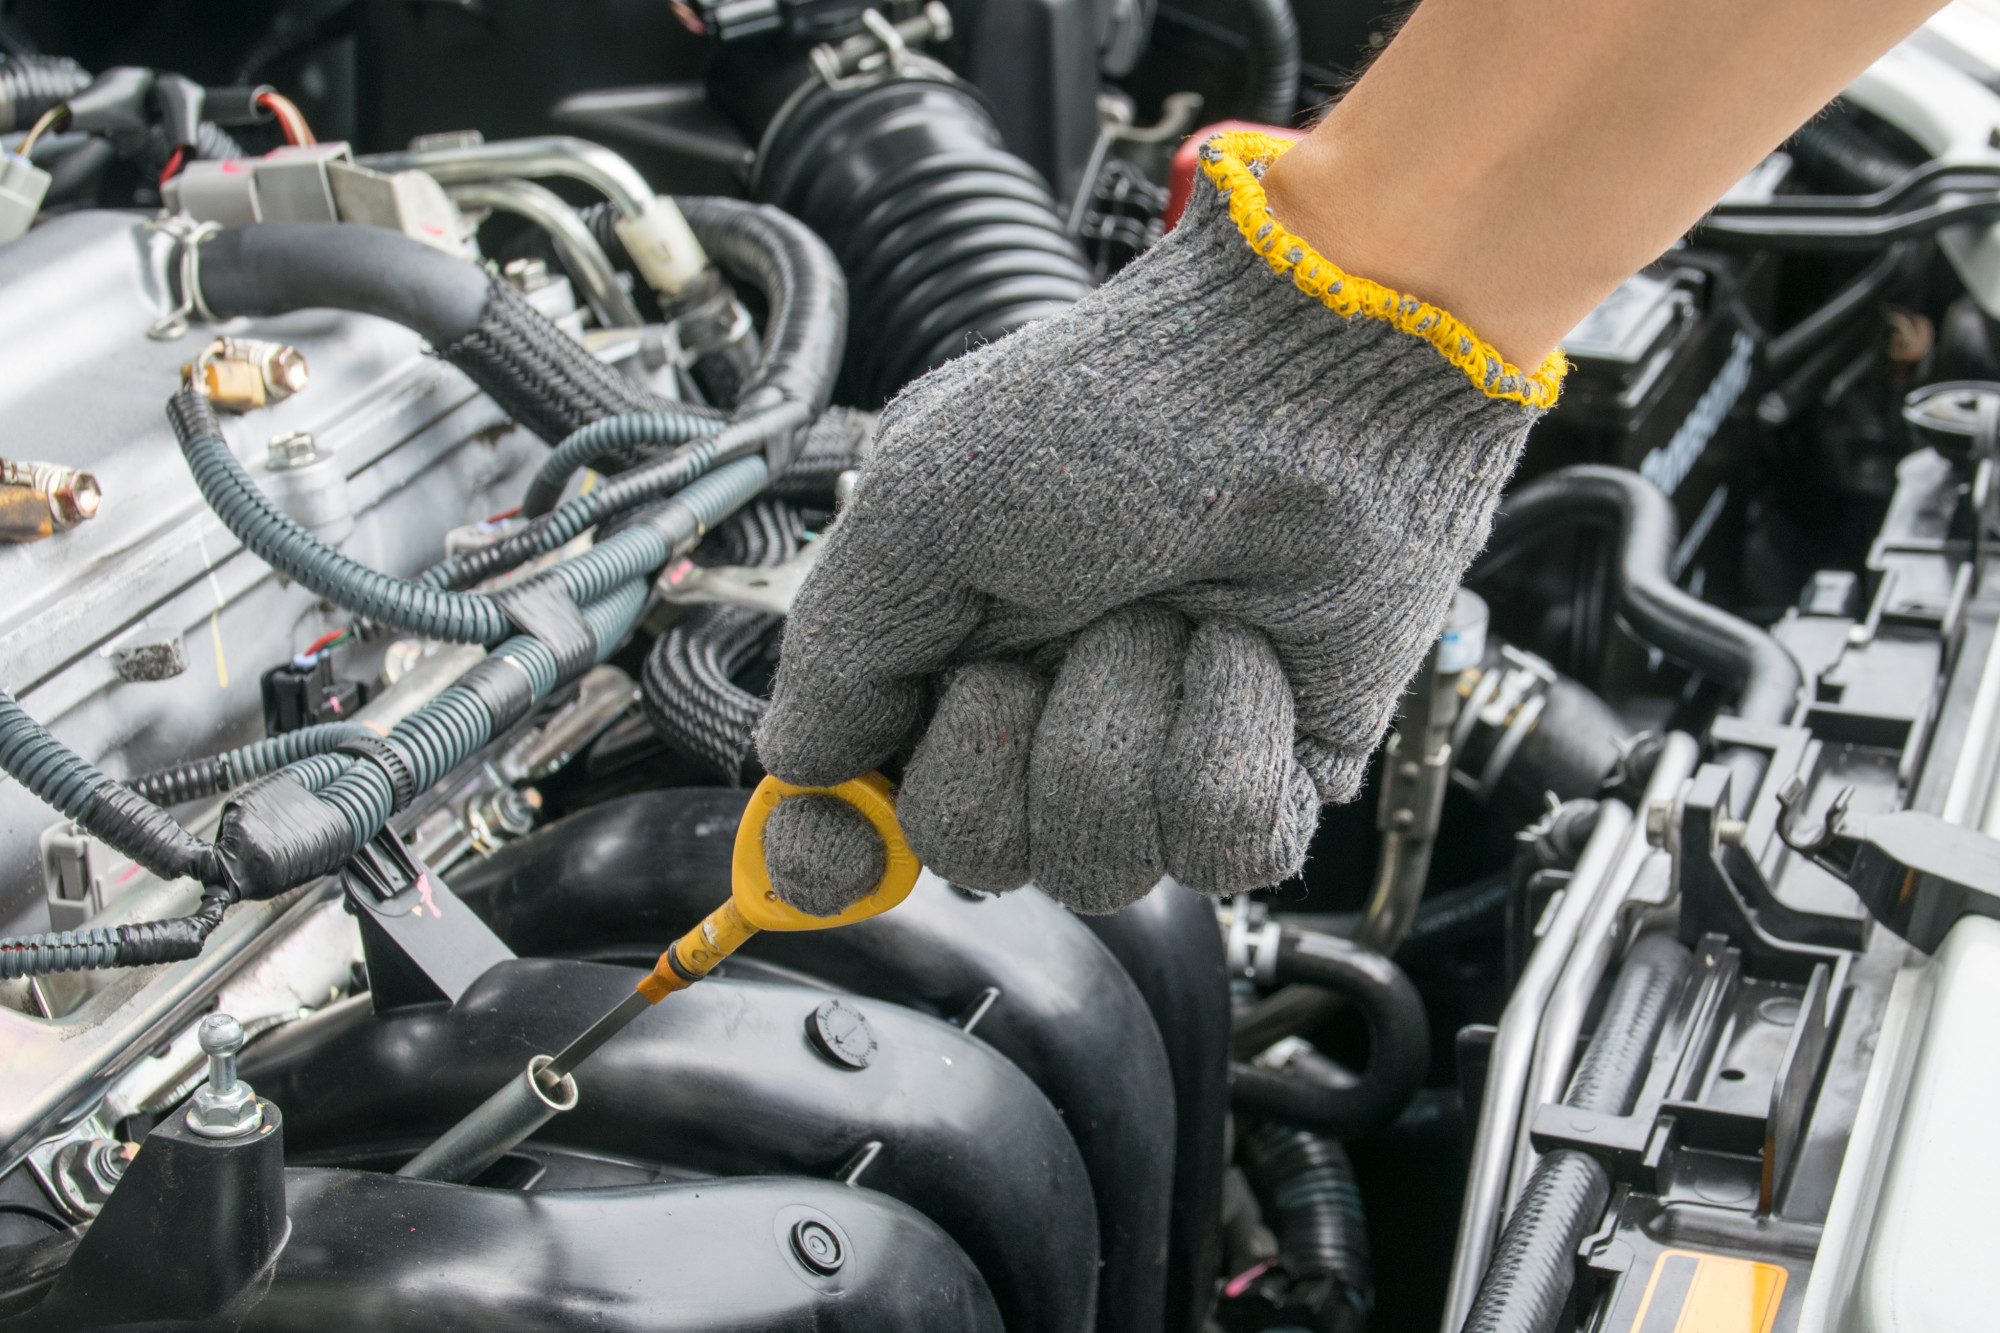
<point x="822" y="854"/>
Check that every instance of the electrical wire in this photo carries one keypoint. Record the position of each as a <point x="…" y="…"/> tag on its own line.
<point x="290" y="119"/>
<point x="47" y="121"/>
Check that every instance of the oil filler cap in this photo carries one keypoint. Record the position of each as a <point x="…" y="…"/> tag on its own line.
<point x="841" y="1034"/>
<point x="817" y="1247"/>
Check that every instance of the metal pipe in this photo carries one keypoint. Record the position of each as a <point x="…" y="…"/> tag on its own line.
<point x="579" y="251"/>
<point x="655" y="234"/>
<point x="1513" y="1052"/>
<point x="547" y="155"/>
<point x="1596" y="945"/>
<point x="490" y="1132"/>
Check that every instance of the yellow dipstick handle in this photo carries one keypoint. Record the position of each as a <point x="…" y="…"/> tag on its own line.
<point x="754" y="905"/>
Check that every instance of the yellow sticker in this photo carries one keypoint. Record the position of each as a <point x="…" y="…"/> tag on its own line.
<point x="1708" y="1293"/>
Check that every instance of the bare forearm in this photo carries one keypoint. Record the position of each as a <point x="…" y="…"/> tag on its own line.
<point x="1514" y="160"/>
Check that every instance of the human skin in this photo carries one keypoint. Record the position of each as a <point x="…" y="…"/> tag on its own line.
<point x="1513" y="161"/>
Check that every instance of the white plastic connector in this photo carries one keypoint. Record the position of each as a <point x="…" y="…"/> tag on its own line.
<point x="23" y="186"/>
<point x="663" y="247"/>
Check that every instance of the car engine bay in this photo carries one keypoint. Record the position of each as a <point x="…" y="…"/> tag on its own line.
<point x="375" y="714"/>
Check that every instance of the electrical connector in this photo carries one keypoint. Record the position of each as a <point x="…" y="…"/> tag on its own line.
<point x="23" y="186"/>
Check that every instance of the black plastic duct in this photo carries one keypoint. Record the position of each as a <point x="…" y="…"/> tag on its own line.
<point x="389" y="1255"/>
<point x="622" y="879"/>
<point x="722" y="1079"/>
<point x="948" y="240"/>
<point x="1169" y="945"/>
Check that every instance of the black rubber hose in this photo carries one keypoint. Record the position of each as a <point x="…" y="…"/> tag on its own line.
<point x="1833" y="151"/>
<point x="949" y="240"/>
<point x="1794" y="345"/>
<point x="803" y="286"/>
<point x="542" y="377"/>
<point x="1272" y="89"/>
<point x="1309" y="1096"/>
<point x="31" y="84"/>
<point x="1313" y="1203"/>
<point x="802" y="283"/>
<point x="1764" y="675"/>
<point x="1528" y="1282"/>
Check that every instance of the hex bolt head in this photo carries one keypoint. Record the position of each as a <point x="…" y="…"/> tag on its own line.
<point x="817" y="1247"/>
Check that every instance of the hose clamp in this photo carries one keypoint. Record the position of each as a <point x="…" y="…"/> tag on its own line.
<point x="1251" y="946"/>
<point x="386" y="757"/>
<point x="189" y="236"/>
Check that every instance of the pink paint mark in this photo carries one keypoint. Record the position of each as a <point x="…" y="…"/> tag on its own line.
<point x="235" y="166"/>
<point x="1241" y="1282"/>
<point x="679" y="572"/>
<point x="129" y="872"/>
<point x="424" y="892"/>
<point x="433" y="229"/>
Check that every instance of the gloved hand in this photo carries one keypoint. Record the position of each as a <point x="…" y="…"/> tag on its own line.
<point x="1161" y="563"/>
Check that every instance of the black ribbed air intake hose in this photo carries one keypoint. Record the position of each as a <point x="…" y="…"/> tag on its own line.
<point x="687" y="687"/>
<point x="1310" y="1092"/>
<point x="949" y="240"/>
<point x="31" y="84"/>
<point x="1272" y="90"/>
<point x="1528" y="1282"/>
<point x="1313" y="1203"/>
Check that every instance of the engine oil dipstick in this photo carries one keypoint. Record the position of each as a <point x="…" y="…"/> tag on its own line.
<point x="527" y="1103"/>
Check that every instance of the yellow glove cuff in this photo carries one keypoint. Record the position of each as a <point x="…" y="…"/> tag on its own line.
<point x="1226" y="160"/>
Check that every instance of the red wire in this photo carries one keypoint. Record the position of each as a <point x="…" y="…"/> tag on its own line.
<point x="173" y="164"/>
<point x="312" y="649"/>
<point x="505" y="514"/>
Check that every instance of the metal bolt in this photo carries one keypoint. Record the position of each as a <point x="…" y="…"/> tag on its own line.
<point x="226" y="1106"/>
<point x="290" y="450"/>
<point x="817" y="1247"/>
<point x="1658" y="818"/>
<point x="1731" y="832"/>
<point x="527" y="275"/>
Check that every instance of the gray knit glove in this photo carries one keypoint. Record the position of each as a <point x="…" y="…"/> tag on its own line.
<point x="1142" y="582"/>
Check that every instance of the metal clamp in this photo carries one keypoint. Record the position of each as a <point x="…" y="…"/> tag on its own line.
<point x="190" y="235"/>
<point x="1252" y="944"/>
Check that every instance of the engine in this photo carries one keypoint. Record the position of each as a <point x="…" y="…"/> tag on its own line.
<point x="421" y="417"/>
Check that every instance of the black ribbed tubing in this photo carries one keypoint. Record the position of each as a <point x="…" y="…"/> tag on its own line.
<point x="1272" y="89"/>
<point x="1313" y="1203"/>
<point x="687" y="686"/>
<point x="31" y="84"/>
<point x="1765" y="677"/>
<point x="1399" y="1043"/>
<point x="194" y="779"/>
<point x="1534" y="1265"/>
<point x="949" y="240"/>
<point x="610" y="437"/>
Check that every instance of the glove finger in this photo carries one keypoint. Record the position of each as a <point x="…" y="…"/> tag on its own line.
<point x="822" y="854"/>
<point x="964" y="801"/>
<point x="1237" y="810"/>
<point x="1093" y="828"/>
<point x="867" y="626"/>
